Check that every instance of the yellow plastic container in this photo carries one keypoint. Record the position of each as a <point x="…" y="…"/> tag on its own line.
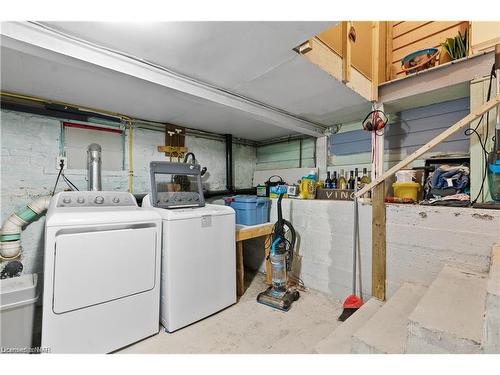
<point x="406" y="189"/>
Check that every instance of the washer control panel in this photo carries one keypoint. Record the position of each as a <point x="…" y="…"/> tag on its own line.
<point x="179" y="198"/>
<point x="96" y="199"/>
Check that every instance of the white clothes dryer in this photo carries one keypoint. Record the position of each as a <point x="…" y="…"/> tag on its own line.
<point x="101" y="272"/>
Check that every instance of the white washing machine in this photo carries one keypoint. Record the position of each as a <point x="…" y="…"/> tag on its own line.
<point x="101" y="272"/>
<point x="198" y="276"/>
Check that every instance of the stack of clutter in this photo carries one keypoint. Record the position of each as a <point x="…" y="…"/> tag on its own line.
<point x="448" y="186"/>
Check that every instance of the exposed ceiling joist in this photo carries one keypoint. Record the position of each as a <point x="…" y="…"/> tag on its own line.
<point x="23" y="35"/>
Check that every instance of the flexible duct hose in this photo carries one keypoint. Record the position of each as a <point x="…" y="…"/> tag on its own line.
<point x="10" y="234"/>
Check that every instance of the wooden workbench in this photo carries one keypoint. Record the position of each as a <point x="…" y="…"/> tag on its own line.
<point x="245" y="233"/>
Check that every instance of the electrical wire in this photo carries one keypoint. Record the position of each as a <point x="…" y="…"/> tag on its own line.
<point x="61" y="167"/>
<point x="57" y="179"/>
<point x="69" y="183"/>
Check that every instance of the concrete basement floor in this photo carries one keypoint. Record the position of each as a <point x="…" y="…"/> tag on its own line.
<point x="251" y="328"/>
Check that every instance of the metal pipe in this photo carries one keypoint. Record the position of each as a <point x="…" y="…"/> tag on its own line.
<point x="94" y="167"/>
<point x="287" y="138"/>
<point x="229" y="162"/>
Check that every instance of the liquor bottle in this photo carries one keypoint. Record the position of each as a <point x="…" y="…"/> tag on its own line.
<point x="328" y="181"/>
<point x="342" y="182"/>
<point x="351" y="181"/>
<point x="334" y="180"/>
<point x="365" y="180"/>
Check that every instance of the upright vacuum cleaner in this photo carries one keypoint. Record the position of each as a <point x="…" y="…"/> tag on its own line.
<point x="279" y="295"/>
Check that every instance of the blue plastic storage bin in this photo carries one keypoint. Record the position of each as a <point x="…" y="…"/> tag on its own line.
<point x="250" y="209"/>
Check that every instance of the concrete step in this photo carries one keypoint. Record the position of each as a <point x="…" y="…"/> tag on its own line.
<point x="491" y="330"/>
<point x="339" y="341"/>
<point x="385" y="331"/>
<point x="449" y="318"/>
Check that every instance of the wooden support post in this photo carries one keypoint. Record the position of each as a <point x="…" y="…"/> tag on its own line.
<point x="378" y="217"/>
<point x="388" y="51"/>
<point x="240" y="274"/>
<point x="346" y="52"/>
<point x="375" y="59"/>
<point x="378" y="242"/>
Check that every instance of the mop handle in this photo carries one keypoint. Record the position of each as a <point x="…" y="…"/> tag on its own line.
<point x="354" y="241"/>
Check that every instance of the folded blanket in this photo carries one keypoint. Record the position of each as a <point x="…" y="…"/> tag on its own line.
<point x="447" y="176"/>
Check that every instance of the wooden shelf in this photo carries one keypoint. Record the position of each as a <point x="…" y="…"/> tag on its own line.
<point x="439" y="84"/>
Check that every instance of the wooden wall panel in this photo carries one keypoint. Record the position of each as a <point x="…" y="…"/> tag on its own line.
<point x="333" y="38"/>
<point x="286" y="155"/>
<point x="421" y="33"/>
<point x="382" y="55"/>
<point x="403" y="27"/>
<point x="361" y="50"/>
<point x="414" y="128"/>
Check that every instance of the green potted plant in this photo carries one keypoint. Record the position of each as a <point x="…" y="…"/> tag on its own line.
<point x="455" y="48"/>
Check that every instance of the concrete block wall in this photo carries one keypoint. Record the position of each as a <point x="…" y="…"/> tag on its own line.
<point x="324" y="244"/>
<point x="420" y="241"/>
<point x="30" y="146"/>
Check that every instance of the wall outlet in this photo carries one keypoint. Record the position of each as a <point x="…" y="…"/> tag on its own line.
<point x="64" y="159"/>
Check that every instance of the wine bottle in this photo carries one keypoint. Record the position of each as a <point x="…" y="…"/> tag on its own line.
<point x="328" y="181"/>
<point x="342" y="182"/>
<point x="334" y="180"/>
<point x="357" y="179"/>
<point x="365" y="180"/>
<point x="351" y="182"/>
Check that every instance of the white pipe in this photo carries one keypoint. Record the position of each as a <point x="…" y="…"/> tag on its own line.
<point x="14" y="225"/>
<point x="40" y="205"/>
<point x="10" y="250"/>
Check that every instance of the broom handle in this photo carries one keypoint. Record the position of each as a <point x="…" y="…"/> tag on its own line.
<point x="354" y="242"/>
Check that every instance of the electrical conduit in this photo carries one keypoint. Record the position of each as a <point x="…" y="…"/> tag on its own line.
<point x="10" y="233"/>
<point x="130" y="157"/>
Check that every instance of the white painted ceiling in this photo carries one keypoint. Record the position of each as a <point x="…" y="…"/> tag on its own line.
<point x="252" y="59"/>
<point x="86" y="85"/>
